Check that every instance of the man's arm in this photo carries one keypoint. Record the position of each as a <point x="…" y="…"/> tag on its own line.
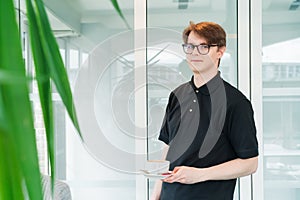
<point x="228" y="170"/>
<point x="156" y="190"/>
<point x="158" y="184"/>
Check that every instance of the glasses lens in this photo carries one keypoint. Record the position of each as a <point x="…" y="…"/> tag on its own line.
<point x="188" y="48"/>
<point x="203" y="49"/>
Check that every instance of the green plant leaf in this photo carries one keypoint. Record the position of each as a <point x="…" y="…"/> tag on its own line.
<point x="10" y="176"/>
<point x="48" y="65"/>
<point x="119" y="11"/>
<point x="44" y="85"/>
<point x="18" y="144"/>
<point x="54" y="61"/>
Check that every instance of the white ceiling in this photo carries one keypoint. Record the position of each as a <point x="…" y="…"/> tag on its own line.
<point x="100" y="11"/>
<point x="88" y="17"/>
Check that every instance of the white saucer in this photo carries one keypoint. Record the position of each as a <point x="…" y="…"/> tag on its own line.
<point x="156" y="176"/>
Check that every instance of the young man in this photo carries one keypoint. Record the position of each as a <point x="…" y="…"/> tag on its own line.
<point x="208" y="128"/>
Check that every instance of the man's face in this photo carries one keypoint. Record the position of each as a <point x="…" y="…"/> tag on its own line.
<point x="203" y="63"/>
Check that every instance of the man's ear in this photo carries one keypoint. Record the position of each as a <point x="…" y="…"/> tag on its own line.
<point x="221" y="51"/>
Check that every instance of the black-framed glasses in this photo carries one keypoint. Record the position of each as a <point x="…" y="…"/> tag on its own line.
<point x="203" y="49"/>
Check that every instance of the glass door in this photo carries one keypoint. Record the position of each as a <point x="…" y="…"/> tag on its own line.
<point x="166" y="64"/>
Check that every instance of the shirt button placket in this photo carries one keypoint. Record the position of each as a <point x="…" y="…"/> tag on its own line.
<point x="191" y="110"/>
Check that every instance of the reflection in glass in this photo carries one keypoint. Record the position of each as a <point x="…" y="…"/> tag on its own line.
<point x="281" y="101"/>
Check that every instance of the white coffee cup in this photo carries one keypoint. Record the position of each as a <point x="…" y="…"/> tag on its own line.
<point x="157" y="166"/>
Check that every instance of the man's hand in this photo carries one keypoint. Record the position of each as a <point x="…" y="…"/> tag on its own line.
<point x="186" y="175"/>
<point x="229" y="170"/>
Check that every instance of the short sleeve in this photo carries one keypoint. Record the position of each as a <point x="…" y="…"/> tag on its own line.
<point x="242" y="130"/>
<point x="171" y="120"/>
<point x="164" y="132"/>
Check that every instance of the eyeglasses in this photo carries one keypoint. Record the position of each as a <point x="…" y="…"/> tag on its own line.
<point x="203" y="49"/>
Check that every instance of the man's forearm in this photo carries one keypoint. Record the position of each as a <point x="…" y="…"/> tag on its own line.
<point x="228" y="170"/>
<point x="158" y="184"/>
<point x="231" y="169"/>
<point x="156" y="190"/>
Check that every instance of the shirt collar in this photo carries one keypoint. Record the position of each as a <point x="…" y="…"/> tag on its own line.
<point x="210" y="87"/>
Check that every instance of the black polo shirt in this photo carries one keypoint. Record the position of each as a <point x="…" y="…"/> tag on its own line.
<point x="204" y="127"/>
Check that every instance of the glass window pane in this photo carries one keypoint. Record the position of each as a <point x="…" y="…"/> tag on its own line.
<point x="281" y="100"/>
<point x="104" y="99"/>
<point x="74" y="58"/>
